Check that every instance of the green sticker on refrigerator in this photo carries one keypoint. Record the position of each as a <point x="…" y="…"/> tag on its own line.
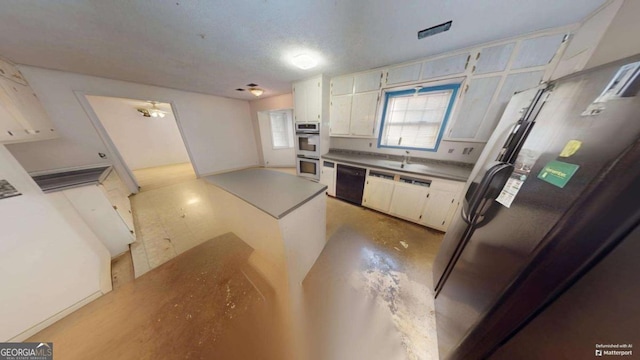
<point x="558" y="173"/>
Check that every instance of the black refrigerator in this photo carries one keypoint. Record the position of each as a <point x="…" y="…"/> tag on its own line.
<point x="554" y="193"/>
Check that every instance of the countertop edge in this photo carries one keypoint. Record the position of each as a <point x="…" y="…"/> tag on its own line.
<point x="356" y="162"/>
<point x="275" y="216"/>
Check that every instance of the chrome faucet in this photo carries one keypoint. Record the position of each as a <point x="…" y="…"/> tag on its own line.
<point x="405" y="159"/>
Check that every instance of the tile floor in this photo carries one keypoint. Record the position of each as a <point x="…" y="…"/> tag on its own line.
<point x="367" y="297"/>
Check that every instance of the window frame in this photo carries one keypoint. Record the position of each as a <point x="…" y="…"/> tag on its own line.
<point x="454" y="87"/>
<point x="290" y="137"/>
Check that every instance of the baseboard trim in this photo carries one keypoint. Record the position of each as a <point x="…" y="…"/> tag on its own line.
<point x="46" y="323"/>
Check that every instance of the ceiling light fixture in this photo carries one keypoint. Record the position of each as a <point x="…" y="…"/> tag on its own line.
<point x="304" y="61"/>
<point x="153" y="112"/>
<point x="253" y="89"/>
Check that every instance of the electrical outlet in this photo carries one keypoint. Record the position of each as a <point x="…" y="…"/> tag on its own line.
<point x="467" y="151"/>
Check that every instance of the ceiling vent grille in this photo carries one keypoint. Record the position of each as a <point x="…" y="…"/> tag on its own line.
<point x="435" y="30"/>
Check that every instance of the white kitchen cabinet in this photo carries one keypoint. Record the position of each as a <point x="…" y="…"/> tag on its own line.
<point x="363" y="114"/>
<point x="102" y="219"/>
<point x="475" y="102"/>
<point x="22" y="117"/>
<point x="378" y="190"/>
<point x="537" y="51"/>
<point x="307" y="100"/>
<point x="340" y="114"/>
<point x="328" y="176"/>
<point x="342" y="85"/>
<point x="118" y="195"/>
<point x="513" y="83"/>
<point x="450" y="65"/>
<point x="439" y="209"/>
<point x="403" y="74"/>
<point x="494" y="59"/>
<point x="368" y="81"/>
<point x="408" y="200"/>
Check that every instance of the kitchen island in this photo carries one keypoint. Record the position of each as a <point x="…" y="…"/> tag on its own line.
<point x="283" y="218"/>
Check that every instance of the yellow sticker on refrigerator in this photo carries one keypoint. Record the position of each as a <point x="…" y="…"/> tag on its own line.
<point x="571" y="148"/>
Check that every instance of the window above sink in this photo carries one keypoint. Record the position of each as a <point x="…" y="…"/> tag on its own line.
<point x="416" y="118"/>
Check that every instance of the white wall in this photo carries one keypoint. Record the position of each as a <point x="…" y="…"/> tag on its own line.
<point x="279" y="102"/>
<point x="49" y="259"/>
<point x="218" y="131"/>
<point x="142" y="141"/>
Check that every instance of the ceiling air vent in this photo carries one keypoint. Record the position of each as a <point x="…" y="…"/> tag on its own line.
<point x="434" y="30"/>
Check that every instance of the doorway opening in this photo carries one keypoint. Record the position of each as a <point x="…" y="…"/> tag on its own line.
<point x="147" y="138"/>
<point x="277" y="138"/>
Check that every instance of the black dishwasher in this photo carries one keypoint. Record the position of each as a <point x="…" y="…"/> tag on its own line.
<point x="350" y="183"/>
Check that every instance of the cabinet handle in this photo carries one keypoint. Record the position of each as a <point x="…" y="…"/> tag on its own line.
<point x="420" y="217"/>
<point x="427" y="196"/>
<point x="452" y="200"/>
<point x="443" y="222"/>
<point x="115" y="207"/>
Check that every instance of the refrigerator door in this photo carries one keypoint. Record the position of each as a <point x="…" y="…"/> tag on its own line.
<point x="459" y="230"/>
<point x="501" y="245"/>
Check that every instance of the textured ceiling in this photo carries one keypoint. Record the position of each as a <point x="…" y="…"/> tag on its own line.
<point x="215" y="47"/>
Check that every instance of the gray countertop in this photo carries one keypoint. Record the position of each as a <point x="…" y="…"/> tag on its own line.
<point x="67" y="179"/>
<point x="435" y="168"/>
<point x="273" y="192"/>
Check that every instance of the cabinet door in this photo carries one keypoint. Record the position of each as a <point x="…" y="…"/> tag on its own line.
<point x="363" y="114"/>
<point x="512" y="84"/>
<point x="408" y="201"/>
<point x="446" y="66"/>
<point x="300" y="102"/>
<point x="98" y="213"/>
<point x="328" y="177"/>
<point x="494" y="59"/>
<point x="402" y="74"/>
<point x="475" y="103"/>
<point x="438" y="208"/>
<point x="340" y="114"/>
<point x="537" y="51"/>
<point x="314" y="99"/>
<point x="10" y="129"/>
<point x="342" y="85"/>
<point x="369" y="81"/>
<point x="377" y="193"/>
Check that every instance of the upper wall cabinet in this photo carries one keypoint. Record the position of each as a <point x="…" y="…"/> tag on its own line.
<point x="451" y="65"/>
<point x="493" y="59"/>
<point x="354" y="102"/>
<point x="22" y="117"/>
<point x="475" y="103"/>
<point x="342" y="85"/>
<point x="403" y="74"/>
<point x="537" y="51"/>
<point x="307" y="100"/>
<point x="368" y="81"/>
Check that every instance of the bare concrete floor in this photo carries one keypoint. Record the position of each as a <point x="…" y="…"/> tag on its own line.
<point x="367" y="297"/>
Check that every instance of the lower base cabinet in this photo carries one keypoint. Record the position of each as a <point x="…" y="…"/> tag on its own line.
<point x="429" y="202"/>
<point x="408" y="201"/>
<point x="328" y="176"/>
<point x="378" y="190"/>
<point x="439" y="209"/>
